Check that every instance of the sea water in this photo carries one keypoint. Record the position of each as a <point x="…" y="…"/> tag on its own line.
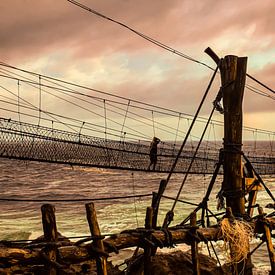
<point x="33" y="180"/>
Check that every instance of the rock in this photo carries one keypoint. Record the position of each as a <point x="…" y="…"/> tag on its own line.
<point x="176" y="263"/>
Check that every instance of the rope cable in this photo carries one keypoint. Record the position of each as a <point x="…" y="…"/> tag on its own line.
<point x="192" y="161"/>
<point x="153" y="122"/>
<point x="156" y="42"/>
<point x="40" y="99"/>
<point x="7" y="90"/>
<point x="134" y="106"/>
<point x="18" y="100"/>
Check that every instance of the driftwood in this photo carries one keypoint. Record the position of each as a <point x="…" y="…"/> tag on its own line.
<point x="126" y="239"/>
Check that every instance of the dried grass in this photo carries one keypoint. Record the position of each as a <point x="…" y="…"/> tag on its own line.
<point x="236" y="234"/>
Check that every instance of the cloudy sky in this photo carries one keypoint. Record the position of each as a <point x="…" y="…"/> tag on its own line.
<point x="61" y="40"/>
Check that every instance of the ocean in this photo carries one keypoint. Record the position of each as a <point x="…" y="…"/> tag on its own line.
<point x="33" y="180"/>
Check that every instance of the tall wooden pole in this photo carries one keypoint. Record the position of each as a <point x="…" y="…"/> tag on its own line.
<point x="233" y="74"/>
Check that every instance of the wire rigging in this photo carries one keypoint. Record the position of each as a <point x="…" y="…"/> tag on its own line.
<point x="156" y="42"/>
<point x="161" y="110"/>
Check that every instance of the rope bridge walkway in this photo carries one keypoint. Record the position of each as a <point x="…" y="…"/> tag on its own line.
<point x="117" y="133"/>
<point x="27" y="141"/>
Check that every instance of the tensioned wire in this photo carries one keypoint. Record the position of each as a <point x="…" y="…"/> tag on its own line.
<point x="75" y="126"/>
<point x="158" y="43"/>
<point x="143" y="117"/>
<point x="217" y="122"/>
<point x="66" y="90"/>
<point x="109" y="104"/>
<point x="75" y="104"/>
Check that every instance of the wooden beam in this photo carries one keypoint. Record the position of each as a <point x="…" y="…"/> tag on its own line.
<point x="131" y="238"/>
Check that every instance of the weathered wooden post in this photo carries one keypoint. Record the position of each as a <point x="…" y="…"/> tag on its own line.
<point x="50" y="235"/>
<point x="194" y="245"/>
<point x="233" y="76"/>
<point x="156" y="201"/>
<point x="268" y="240"/>
<point x="147" y="248"/>
<point x="101" y="262"/>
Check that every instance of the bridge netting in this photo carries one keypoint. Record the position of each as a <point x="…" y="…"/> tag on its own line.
<point x="31" y="142"/>
<point x="106" y="130"/>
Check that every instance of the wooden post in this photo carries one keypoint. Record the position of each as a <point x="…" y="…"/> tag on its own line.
<point x="50" y="234"/>
<point x="194" y="245"/>
<point x="252" y="197"/>
<point x="269" y="244"/>
<point x="233" y="74"/>
<point x="147" y="249"/>
<point x="156" y="201"/>
<point x="101" y="262"/>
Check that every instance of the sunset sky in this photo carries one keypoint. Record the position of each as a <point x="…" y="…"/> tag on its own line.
<point x="61" y="40"/>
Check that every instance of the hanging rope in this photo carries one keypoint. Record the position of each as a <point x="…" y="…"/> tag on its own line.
<point x="192" y="124"/>
<point x="153" y="121"/>
<point x="18" y="100"/>
<point x="79" y="133"/>
<point x="134" y="197"/>
<point x="122" y="129"/>
<point x="105" y="118"/>
<point x="177" y="130"/>
<point x="255" y="140"/>
<point x="40" y="103"/>
<point x="190" y="165"/>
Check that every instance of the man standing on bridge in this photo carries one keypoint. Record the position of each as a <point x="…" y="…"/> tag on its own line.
<point x="153" y="153"/>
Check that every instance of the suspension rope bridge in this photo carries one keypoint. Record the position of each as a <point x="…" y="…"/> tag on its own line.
<point x="117" y="135"/>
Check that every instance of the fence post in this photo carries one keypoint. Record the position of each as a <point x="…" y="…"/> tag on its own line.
<point x="101" y="262"/>
<point x="147" y="248"/>
<point x="194" y="245"/>
<point x="269" y="244"/>
<point x="50" y="235"/>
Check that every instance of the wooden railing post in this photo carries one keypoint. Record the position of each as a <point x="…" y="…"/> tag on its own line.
<point x="101" y="262"/>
